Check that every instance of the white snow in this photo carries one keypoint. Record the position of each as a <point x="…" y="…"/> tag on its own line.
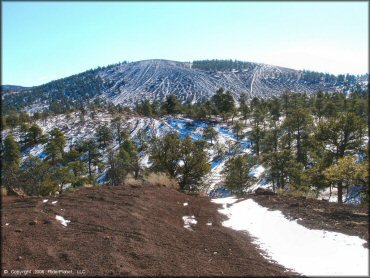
<point x="185" y="204"/>
<point x="309" y="252"/>
<point x="188" y="221"/>
<point x="54" y="202"/>
<point x="256" y="171"/>
<point x="63" y="221"/>
<point x="44" y="201"/>
<point x="6" y="224"/>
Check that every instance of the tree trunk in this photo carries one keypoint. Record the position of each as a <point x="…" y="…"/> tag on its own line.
<point x="340" y="193"/>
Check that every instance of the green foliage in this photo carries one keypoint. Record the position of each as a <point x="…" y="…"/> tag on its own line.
<point x="11" y="155"/>
<point x="10" y="163"/>
<point x="104" y="135"/>
<point x="34" y="136"/>
<point x="210" y="133"/>
<point x="180" y="158"/>
<point x="236" y="173"/>
<point x="221" y="65"/>
<point x="54" y="148"/>
<point x="90" y="155"/>
<point x="224" y="103"/>
<point x="343" y="133"/>
<point x="194" y="164"/>
<point x="37" y="178"/>
<point x="125" y="162"/>
<point x="347" y="172"/>
<point x="171" y="105"/>
<point x="238" y="130"/>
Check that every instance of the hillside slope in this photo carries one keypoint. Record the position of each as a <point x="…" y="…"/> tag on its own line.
<point x="127" y="83"/>
<point x="126" y="231"/>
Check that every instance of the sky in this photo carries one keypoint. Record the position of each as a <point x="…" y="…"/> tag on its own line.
<point x="42" y="42"/>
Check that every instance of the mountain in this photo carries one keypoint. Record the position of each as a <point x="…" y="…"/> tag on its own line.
<point x="127" y="83"/>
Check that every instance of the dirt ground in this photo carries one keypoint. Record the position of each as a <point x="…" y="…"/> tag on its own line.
<point x="316" y="214"/>
<point x="125" y="231"/>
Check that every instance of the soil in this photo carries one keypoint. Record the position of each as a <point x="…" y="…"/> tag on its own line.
<point x="317" y="214"/>
<point x="125" y="231"/>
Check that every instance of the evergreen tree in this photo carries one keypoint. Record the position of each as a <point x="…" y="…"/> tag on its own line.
<point x="12" y="120"/>
<point x="128" y="153"/>
<point x="36" y="177"/>
<point x="210" y="133"/>
<point x="171" y="105"/>
<point x="10" y="163"/>
<point x="104" y="135"/>
<point x="238" y="130"/>
<point x="299" y="125"/>
<point x="243" y="107"/>
<point x="194" y="164"/>
<point x="55" y="147"/>
<point x="346" y="173"/>
<point x="12" y="155"/>
<point x="236" y="173"/>
<point x="34" y="136"/>
<point x="165" y="154"/>
<point x="90" y="155"/>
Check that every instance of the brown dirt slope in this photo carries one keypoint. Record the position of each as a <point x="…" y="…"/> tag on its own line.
<point x="125" y="231"/>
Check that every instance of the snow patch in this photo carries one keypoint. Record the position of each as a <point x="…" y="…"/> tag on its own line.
<point x="61" y="219"/>
<point x="185" y="204"/>
<point x="54" y="202"/>
<point x="45" y="201"/>
<point x="256" y="171"/>
<point x="309" y="252"/>
<point x="188" y="221"/>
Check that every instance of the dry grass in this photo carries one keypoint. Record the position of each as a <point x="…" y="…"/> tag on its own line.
<point x="4" y="192"/>
<point x="297" y="193"/>
<point x="131" y="181"/>
<point x="162" y="179"/>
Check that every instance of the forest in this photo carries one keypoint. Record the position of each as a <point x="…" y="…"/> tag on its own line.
<point x="307" y="143"/>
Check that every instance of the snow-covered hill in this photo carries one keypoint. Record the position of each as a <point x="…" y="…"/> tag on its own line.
<point x="156" y="79"/>
<point x="127" y="83"/>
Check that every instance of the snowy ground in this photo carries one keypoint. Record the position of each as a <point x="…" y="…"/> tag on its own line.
<point x="76" y="130"/>
<point x="309" y="252"/>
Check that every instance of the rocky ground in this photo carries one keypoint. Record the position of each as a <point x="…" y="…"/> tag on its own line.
<point x="139" y="231"/>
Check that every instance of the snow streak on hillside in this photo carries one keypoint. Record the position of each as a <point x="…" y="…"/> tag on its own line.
<point x="156" y="79"/>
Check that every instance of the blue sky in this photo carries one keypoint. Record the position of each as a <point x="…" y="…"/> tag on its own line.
<point x="46" y="41"/>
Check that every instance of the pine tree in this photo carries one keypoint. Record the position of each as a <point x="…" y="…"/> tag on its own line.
<point x="194" y="164"/>
<point x="210" y="133"/>
<point x="236" y="173"/>
<point x="237" y="129"/>
<point x="12" y="155"/>
<point x="129" y="154"/>
<point x="299" y="125"/>
<point x="165" y="154"/>
<point x="104" y="135"/>
<point x="55" y="147"/>
<point x="243" y="107"/>
<point x="346" y="173"/>
<point x="171" y="105"/>
<point x="34" y="136"/>
<point x="91" y="156"/>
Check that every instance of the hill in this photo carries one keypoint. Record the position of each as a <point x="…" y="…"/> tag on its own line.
<point x="127" y="83"/>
